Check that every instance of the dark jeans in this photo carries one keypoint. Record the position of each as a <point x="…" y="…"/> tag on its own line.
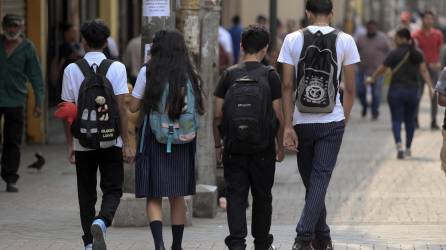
<point x="111" y="170"/>
<point x="12" y="140"/>
<point x="434" y="101"/>
<point x="319" y="145"/>
<point x="403" y="104"/>
<point x="361" y="92"/>
<point x="241" y="173"/>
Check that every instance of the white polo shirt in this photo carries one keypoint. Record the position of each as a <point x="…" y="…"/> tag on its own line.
<point x="73" y="78"/>
<point x="347" y="54"/>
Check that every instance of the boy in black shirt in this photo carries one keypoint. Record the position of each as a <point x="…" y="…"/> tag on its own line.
<point x="251" y="169"/>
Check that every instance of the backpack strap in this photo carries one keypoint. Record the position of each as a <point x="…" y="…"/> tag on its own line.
<point x="105" y="65"/>
<point x="84" y="67"/>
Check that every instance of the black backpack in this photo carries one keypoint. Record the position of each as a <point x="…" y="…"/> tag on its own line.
<point x="97" y="121"/>
<point x="249" y="123"/>
<point x="317" y="73"/>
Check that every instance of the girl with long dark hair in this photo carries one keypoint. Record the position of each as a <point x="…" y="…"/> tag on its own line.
<point x="159" y="173"/>
<point x="406" y="64"/>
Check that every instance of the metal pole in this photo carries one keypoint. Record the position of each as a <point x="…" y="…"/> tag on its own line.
<point x="273" y="22"/>
<point x="152" y="22"/>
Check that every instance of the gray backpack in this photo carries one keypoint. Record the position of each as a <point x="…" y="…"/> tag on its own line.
<point x="317" y="82"/>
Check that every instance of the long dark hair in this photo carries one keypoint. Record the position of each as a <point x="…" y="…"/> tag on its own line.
<point x="405" y="34"/>
<point x="170" y="64"/>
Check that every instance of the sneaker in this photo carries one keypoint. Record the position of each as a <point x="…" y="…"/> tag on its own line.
<point x="272" y="247"/>
<point x="98" y="230"/>
<point x="408" y="152"/>
<point x="11" y="188"/>
<point x="400" y="154"/>
<point x="89" y="247"/>
<point x="434" y="126"/>
<point x="302" y="245"/>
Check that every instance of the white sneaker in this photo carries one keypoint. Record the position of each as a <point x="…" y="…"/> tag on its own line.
<point x="98" y="230"/>
<point x="89" y="247"/>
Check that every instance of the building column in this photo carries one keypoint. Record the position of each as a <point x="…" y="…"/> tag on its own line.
<point x="36" y="31"/>
<point x="108" y="11"/>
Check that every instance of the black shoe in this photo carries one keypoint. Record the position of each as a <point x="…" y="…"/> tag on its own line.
<point x="400" y="155"/>
<point x="302" y="245"/>
<point x="272" y="247"/>
<point x="364" y="112"/>
<point x="434" y="126"/>
<point x="11" y="188"/>
<point x="322" y="244"/>
<point x="375" y="117"/>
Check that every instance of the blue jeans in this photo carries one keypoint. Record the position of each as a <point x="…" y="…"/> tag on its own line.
<point x="361" y="92"/>
<point x="403" y="104"/>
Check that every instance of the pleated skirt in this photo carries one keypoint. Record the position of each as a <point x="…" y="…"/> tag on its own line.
<point x="162" y="174"/>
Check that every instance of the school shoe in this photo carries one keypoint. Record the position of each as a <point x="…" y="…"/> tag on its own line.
<point x="322" y="244"/>
<point x="98" y="230"/>
<point x="302" y="245"/>
<point x="400" y="155"/>
<point x="11" y="188"/>
<point x="89" y="247"/>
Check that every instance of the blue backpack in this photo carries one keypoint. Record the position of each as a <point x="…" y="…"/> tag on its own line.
<point x="181" y="131"/>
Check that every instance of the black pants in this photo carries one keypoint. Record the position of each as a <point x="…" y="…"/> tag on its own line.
<point x="110" y="166"/>
<point x="241" y="173"/>
<point x="12" y="140"/>
<point x="319" y="145"/>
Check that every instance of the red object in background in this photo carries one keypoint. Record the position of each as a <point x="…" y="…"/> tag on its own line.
<point x="66" y="111"/>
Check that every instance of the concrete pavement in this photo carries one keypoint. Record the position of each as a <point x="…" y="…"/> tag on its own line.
<point x="374" y="201"/>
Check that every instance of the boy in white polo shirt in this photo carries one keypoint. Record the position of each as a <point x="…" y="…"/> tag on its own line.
<point x="109" y="159"/>
<point x="314" y="116"/>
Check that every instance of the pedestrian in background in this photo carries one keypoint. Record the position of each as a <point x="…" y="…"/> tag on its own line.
<point x="407" y="65"/>
<point x="430" y="40"/>
<point x="440" y="89"/>
<point x="314" y="117"/>
<point x="169" y="88"/>
<point x="249" y="164"/>
<point x="85" y="152"/>
<point x="132" y="58"/>
<point x="373" y="47"/>
<point x="19" y="64"/>
<point x="236" y="35"/>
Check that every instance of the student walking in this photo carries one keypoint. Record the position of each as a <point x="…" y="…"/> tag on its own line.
<point x="406" y="63"/>
<point x="97" y="143"/>
<point x="315" y="130"/>
<point x="169" y="89"/>
<point x="440" y="89"/>
<point x="247" y="119"/>
<point x="430" y="40"/>
<point x="19" y="63"/>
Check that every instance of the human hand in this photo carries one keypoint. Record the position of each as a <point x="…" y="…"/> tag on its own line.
<point x="280" y="154"/>
<point x="369" y="80"/>
<point x="37" y="112"/>
<point x="219" y="154"/>
<point x="71" y="158"/>
<point x="290" y="140"/>
<point x="128" y="153"/>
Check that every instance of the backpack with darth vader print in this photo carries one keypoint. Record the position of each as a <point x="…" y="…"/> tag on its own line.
<point x="317" y="82"/>
<point x="97" y="120"/>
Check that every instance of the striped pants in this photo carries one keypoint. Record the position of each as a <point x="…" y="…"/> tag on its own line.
<point x="319" y="145"/>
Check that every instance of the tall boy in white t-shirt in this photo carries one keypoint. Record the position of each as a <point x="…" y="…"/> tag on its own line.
<point x="108" y="160"/>
<point x="316" y="137"/>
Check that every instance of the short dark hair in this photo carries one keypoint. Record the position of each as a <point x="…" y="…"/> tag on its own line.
<point x="319" y="7"/>
<point x="427" y="12"/>
<point x="371" y="23"/>
<point x="255" y="38"/>
<point x="261" y="18"/>
<point x="236" y="20"/>
<point x="95" y="33"/>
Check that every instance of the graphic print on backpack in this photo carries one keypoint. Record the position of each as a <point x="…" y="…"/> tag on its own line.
<point x="317" y="81"/>
<point x="248" y="119"/>
<point x="97" y="120"/>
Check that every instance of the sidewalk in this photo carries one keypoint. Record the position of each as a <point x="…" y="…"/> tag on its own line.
<point x="374" y="201"/>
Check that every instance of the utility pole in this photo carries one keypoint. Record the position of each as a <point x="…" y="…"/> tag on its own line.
<point x="273" y="22"/>
<point x="189" y="24"/>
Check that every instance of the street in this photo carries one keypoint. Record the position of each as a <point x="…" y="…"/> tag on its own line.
<point x="374" y="201"/>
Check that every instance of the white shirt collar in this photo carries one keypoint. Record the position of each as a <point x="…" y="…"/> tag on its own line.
<point x="95" y="56"/>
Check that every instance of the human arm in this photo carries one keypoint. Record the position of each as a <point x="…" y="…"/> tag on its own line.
<point x="218" y="118"/>
<point x="379" y="72"/>
<point x="127" y="150"/>
<point x="349" y="90"/>
<point x="69" y="140"/>
<point x="138" y="91"/>
<point x="277" y="107"/>
<point x="290" y="140"/>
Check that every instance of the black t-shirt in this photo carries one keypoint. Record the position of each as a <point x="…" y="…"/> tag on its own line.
<point x="274" y="82"/>
<point x="408" y="74"/>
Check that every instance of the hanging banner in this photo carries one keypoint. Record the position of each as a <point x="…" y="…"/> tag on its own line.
<point x="153" y="8"/>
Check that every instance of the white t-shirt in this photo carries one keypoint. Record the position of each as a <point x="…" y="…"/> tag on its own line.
<point x="347" y="54"/>
<point x="140" y="84"/>
<point x="73" y="78"/>
<point x="224" y="38"/>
